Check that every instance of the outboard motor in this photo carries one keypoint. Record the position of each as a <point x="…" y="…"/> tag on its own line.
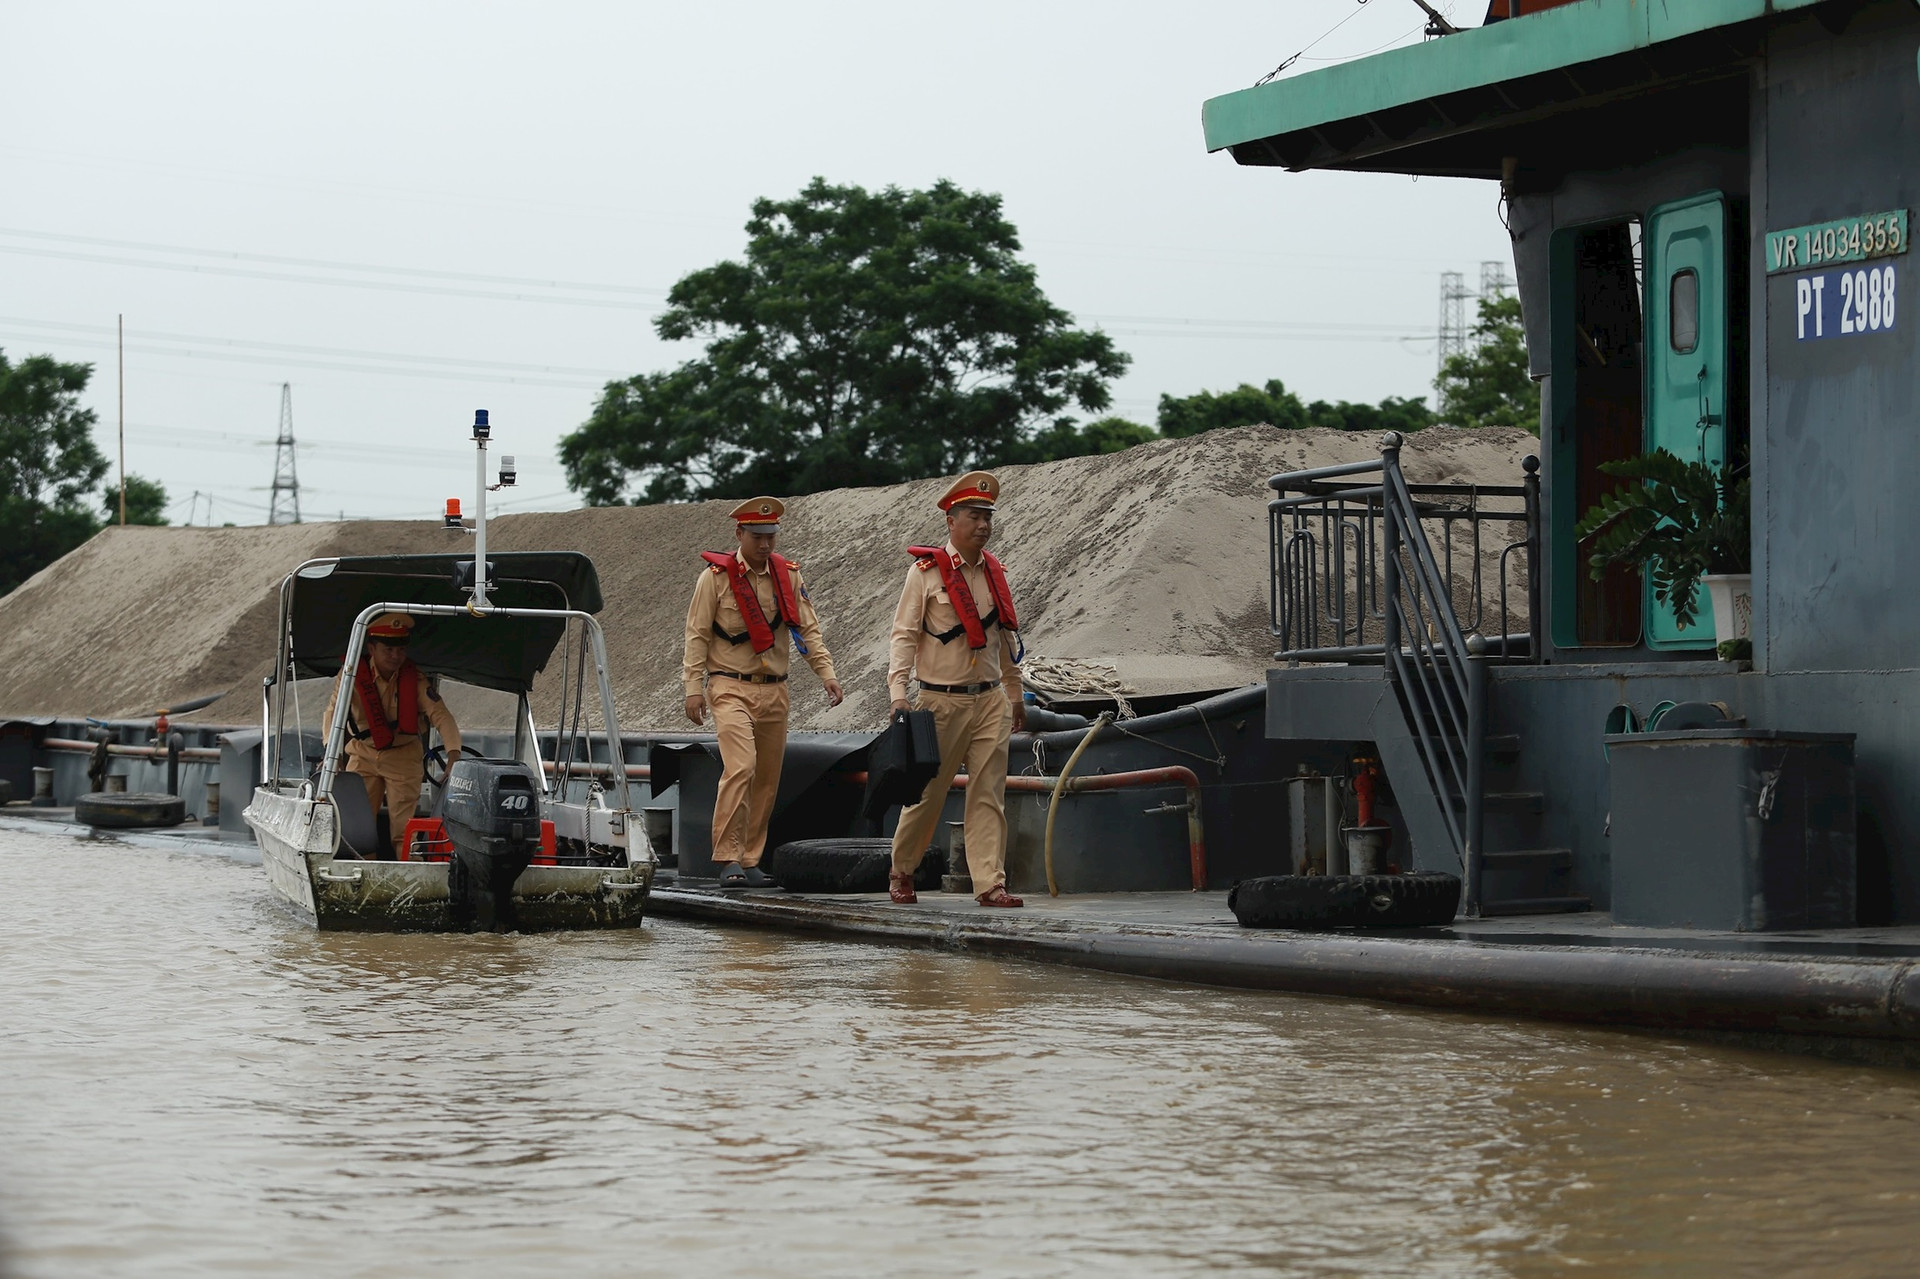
<point x="492" y="812"/>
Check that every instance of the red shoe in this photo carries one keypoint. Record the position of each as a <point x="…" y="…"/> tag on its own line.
<point x="900" y="888"/>
<point x="999" y="896"/>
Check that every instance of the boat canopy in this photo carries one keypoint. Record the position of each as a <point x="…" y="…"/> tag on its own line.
<point x="492" y="652"/>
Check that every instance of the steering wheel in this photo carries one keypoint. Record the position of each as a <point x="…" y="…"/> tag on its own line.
<point x="428" y="761"/>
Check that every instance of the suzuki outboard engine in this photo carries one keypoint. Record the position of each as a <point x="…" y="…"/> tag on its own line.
<point x="492" y="811"/>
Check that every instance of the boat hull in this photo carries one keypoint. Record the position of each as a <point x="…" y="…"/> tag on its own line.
<point x="297" y="839"/>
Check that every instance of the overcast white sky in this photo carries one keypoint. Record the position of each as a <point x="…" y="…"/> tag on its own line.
<point x="208" y="169"/>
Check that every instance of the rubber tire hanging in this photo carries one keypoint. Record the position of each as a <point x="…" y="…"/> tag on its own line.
<point x="845" y="865"/>
<point x="1346" y="901"/>
<point x="129" y="812"/>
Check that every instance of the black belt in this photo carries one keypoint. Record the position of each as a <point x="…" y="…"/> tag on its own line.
<point x="749" y="679"/>
<point x="965" y="690"/>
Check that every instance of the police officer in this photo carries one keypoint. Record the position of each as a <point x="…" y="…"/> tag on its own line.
<point x="744" y="607"/>
<point x="955" y="632"/>
<point x="390" y="698"/>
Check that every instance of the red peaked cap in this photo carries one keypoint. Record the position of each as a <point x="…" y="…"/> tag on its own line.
<point x="975" y="488"/>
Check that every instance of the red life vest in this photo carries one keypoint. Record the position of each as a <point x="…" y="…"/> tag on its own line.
<point x="379" y="727"/>
<point x="786" y="607"/>
<point x="962" y="599"/>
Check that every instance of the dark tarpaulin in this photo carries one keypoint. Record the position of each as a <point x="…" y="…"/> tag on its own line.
<point x="808" y="758"/>
<point x="493" y="652"/>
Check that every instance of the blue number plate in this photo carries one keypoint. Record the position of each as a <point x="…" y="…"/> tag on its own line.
<point x="1842" y="304"/>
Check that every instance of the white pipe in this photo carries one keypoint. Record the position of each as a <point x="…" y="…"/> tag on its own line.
<point x="480" y="522"/>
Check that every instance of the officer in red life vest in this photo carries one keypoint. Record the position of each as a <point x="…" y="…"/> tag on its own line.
<point x="391" y="696"/>
<point x="955" y="632"/>
<point x="744" y="607"/>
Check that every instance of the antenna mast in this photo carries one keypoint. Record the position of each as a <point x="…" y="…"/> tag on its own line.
<point x="284" y="506"/>
<point x="1437" y="24"/>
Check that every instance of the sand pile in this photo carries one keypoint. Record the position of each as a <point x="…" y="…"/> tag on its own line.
<point x="1153" y="560"/>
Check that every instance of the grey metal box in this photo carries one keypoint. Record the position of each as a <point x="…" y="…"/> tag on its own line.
<point x="1750" y="830"/>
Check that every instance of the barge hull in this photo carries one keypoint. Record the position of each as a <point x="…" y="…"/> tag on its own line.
<point x="1775" y="997"/>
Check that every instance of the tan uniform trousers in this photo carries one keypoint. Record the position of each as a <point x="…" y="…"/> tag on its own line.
<point x="751" y="722"/>
<point x="392" y="775"/>
<point x="973" y="731"/>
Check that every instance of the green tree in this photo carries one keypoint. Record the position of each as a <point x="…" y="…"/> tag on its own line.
<point x="1489" y="385"/>
<point x="1392" y="414"/>
<point x="49" y="465"/>
<point x="146" y="501"/>
<point x="867" y="338"/>
<point x="1245" y="405"/>
<point x="1103" y="435"/>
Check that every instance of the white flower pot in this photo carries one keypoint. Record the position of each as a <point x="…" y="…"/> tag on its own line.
<point x="1732" y="598"/>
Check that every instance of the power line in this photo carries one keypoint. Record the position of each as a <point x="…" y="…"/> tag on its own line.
<point x="330" y="265"/>
<point x="284" y="277"/>
<point x="297" y="348"/>
<point x="460" y="371"/>
<point x="198" y="440"/>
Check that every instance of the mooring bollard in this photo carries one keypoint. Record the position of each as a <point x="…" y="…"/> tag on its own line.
<point x="957" y="879"/>
<point x="42" y="787"/>
<point x="213" y="805"/>
<point x="116" y="783"/>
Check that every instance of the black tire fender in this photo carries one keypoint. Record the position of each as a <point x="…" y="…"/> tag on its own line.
<point x="844" y="865"/>
<point x="130" y="811"/>
<point x="1346" y="901"/>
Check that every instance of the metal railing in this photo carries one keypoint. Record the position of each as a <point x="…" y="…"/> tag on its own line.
<point x="1326" y="596"/>
<point x="1350" y="551"/>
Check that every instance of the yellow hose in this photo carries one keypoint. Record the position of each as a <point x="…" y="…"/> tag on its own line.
<point x="1059" y="787"/>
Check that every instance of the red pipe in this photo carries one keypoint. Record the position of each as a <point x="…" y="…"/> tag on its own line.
<point x="1171" y="775"/>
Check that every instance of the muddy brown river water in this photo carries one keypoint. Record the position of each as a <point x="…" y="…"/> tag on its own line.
<point x="193" y="1083"/>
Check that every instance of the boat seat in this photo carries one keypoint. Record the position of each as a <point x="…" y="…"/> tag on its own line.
<point x="359" y="829"/>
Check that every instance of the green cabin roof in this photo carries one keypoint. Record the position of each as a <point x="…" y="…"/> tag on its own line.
<point x="1388" y="111"/>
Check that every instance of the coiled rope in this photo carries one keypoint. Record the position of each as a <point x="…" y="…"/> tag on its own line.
<point x="1072" y="677"/>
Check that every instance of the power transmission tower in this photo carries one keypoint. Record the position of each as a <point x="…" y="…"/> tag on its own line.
<point x="1453" y="316"/>
<point x="1493" y="280"/>
<point x="284" y="506"/>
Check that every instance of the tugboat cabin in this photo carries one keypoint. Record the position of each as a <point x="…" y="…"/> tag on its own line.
<point x="1710" y="209"/>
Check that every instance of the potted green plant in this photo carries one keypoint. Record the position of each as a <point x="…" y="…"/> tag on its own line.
<point x="1685" y="523"/>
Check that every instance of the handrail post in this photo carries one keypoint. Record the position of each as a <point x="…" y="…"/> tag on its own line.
<point x="1390" y="548"/>
<point x="1476" y="768"/>
<point x="1536" y="629"/>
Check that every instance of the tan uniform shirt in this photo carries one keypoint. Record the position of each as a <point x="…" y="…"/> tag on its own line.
<point x="924" y="607"/>
<point x="713" y="602"/>
<point x="432" y="709"/>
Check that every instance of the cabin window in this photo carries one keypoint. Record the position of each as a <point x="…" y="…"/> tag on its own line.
<point x="1683" y="311"/>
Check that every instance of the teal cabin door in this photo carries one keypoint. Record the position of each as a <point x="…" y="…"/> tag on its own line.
<point x="1686" y="334"/>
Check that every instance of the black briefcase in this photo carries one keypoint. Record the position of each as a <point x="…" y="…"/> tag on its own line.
<point x="902" y="761"/>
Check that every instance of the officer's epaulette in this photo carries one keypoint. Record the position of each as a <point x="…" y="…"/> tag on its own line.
<point x="715" y="568"/>
<point x="923" y="564"/>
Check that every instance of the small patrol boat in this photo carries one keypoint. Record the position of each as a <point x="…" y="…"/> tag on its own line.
<point x="517" y="843"/>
